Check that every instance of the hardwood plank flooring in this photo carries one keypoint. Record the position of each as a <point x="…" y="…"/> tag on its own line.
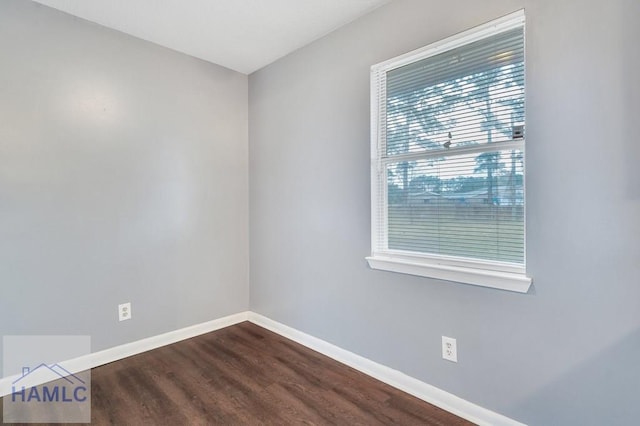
<point x="246" y="375"/>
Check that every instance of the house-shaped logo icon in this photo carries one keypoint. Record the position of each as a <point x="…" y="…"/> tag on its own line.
<point x="44" y="373"/>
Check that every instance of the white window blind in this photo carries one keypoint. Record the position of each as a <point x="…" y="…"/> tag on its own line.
<point x="448" y="152"/>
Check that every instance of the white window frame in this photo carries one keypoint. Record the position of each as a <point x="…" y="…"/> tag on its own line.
<point x="480" y="272"/>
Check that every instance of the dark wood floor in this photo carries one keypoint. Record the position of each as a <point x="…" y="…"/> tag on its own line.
<point x="246" y="375"/>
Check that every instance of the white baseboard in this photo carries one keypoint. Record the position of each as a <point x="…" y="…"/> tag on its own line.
<point x="395" y="378"/>
<point x="116" y="353"/>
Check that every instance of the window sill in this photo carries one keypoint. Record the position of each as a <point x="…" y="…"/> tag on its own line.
<point x="510" y="281"/>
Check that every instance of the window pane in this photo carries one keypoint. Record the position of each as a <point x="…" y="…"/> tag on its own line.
<point x="466" y="96"/>
<point x="467" y="205"/>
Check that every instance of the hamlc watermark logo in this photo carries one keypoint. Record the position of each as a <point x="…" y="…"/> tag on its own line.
<point x="43" y="388"/>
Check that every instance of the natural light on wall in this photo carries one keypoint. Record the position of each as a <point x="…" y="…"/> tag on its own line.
<point x="92" y="102"/>
<point x="448" y="158"/>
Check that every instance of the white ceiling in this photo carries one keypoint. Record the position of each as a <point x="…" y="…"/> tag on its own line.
<point x="244" y="35"/>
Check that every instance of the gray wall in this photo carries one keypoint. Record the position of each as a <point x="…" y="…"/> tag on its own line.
<point x="568" y="352"/>
<point x="123" y="177"/>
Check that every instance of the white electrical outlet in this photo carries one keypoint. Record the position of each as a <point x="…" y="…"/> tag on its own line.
<point x="124" y="311"/>
<point x="449" y="349"/>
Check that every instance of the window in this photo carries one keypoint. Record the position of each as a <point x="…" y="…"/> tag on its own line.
<point x="448" y="137"/>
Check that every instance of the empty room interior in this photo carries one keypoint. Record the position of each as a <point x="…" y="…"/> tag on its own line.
<point x="324" y="212"/>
